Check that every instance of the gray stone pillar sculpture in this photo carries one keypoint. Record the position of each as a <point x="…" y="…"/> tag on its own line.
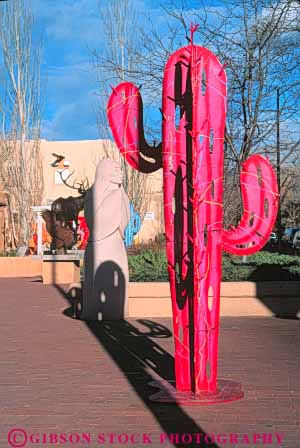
<point x="105" y="264"/>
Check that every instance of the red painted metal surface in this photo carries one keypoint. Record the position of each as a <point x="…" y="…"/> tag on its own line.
<point x="226" y="391"/>
<point x="83" y="232"/>
<point x="191" y="154"/>
<point x="260" y="200"/>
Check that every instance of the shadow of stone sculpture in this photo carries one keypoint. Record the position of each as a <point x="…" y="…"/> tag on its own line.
<point x="109" y="291"/>
<point x="105" y="263"/>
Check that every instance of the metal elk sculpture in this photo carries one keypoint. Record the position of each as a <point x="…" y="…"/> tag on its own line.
<point x="62" y="219"/>
<point x="191" y="155"/>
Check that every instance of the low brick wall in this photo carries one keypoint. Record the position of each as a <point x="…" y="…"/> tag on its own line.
<point x="237" y="299"/>
<point x="153" y="299"/>
<point x="20" y="267"/>
<point x="58" y="272"/>
<point x="61" y="271"/>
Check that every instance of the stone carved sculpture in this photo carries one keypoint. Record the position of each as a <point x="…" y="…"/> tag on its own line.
<point x="106" y="268"/>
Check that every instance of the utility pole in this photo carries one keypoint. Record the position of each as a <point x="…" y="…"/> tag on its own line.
<point x="279" y="230"/>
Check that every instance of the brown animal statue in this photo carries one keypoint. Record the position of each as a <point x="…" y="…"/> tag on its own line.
<point x="62" y="237"/>
<point x="62" y="219"/>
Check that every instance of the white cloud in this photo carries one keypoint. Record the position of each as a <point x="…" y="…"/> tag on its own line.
<point x="71" y="29"/>
<point x="71" y="95"/>
<point x="73" y="121"/>
<point x="76" y="20"/>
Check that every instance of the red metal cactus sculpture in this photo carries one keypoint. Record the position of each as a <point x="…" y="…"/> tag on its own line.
<point x="191" y="155"/>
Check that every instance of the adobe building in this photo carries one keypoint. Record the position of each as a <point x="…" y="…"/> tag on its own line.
<point x="82" y="157"/>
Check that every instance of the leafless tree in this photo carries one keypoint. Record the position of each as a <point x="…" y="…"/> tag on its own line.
<point x="291" y="214"/>
<point x="118" y="61"/>
<point x="258" y="40"/>
<point x="259" y="43"/>
<point x="20" y="113"/>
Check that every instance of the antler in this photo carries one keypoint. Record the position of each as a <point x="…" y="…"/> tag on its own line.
<point x="84" y="186"/>
<point x="81" y="187"/>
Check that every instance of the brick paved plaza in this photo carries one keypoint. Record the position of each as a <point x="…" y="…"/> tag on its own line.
<point x="64" y="376"/>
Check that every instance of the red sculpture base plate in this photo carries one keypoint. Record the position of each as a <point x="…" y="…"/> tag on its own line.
<point x="226" y="391"/>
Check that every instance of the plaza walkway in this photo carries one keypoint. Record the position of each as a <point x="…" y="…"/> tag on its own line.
<point x="62" y="380"/>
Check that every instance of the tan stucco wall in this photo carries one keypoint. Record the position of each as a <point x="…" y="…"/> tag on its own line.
<point x="83" y="157"/>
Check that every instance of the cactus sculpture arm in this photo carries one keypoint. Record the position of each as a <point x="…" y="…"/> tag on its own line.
<point x="260" y="196"/>
<point x="125" y="116"/>
<point x="193" y="110"/>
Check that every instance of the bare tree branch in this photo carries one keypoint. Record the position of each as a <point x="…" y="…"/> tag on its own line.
<point x="20" y="112"/>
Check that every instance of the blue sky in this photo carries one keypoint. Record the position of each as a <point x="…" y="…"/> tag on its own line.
<point x="70" y="30"/>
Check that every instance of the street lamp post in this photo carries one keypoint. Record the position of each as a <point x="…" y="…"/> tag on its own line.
<point x="279" y="230"/>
